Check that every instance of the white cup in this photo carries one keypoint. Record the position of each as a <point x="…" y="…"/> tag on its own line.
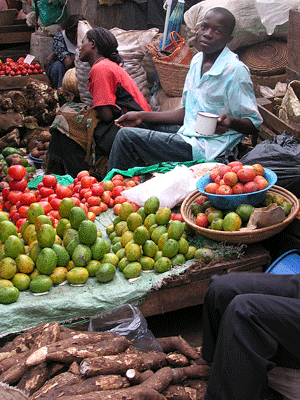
<point x="206" y="123"/>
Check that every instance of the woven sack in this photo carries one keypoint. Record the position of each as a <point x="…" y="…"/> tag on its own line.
<point x="178" y="51"/>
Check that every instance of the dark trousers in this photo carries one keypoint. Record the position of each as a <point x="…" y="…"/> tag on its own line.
<point x="56" y="73"/>
<point x="251" y="323"/>
<point x="139" y="147"/>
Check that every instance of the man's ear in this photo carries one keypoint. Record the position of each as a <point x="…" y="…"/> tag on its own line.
<point x="93" y="45"/>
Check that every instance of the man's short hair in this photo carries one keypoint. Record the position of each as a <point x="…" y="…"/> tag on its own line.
<point x="229" y="18"/>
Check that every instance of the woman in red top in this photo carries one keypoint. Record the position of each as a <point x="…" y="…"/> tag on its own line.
<point x="114" y="93"/>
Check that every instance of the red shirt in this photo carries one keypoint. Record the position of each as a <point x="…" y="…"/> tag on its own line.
<point x="110" y="84"/>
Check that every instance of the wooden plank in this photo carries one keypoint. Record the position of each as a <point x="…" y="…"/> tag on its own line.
<point x="192" y="292"/>
<point x="18" y="82"/>
<point x="293" y="41"/>
<point x="14" y="37"/>
<point x="276" y="124"/>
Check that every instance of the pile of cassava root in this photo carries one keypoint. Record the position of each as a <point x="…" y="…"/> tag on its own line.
<point x="52" y="362"/>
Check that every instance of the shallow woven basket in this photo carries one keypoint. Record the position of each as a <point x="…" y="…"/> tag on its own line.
<point x="171" y="76"/>
<point x="267" y="58"/>
<point x="241" y="236"/>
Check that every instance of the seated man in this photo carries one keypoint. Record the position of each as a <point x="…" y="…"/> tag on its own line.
<point x="218" y="83"/>
<point x="250" y="325"/>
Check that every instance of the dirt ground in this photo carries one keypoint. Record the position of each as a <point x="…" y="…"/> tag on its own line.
<point x="187" y="322"/>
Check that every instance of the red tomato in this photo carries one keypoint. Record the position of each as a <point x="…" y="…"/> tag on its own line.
<point x="18" y="184"/>
<point x="20" y="222"/>
<point x="35" y="71"/>
<point x="91" y="216"/>
<point x="86" y="181"/>
<point x="23" y="211"/>
<point x="21" y="59"/>
<point x="97" y="189"/>
<point x="14" y="196"/>
<point x="54" y="214"/>
<point x="37" y="65"/>
<point x="29" y="71"/>
<point x="46" y="191"/>
<point x="16" y="171"/>
<point x="24" y="71"/>
<point x="2" y="72"/>
<point x="49" y="180"/>
<point x="15" y="218"/>
<point x="52" y="196"/>
<point x="18" y="73"/>
<point x="81" y="174"/>
<point x="95" y="209"/>
<point x="46" y="206"/>
<point x="55" y="203"/>
<point x="93" y="200"/>
<point x="118" y="177"/>
<point x="12" y="73"/>
<point x="63" y="191"/>
<point x="41" y="71"/>
<point x="136" y="178"/>
<point x="5" y="192"/>
<point x="76" y="201"/>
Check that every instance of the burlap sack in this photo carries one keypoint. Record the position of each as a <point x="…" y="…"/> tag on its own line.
<point x="249" y="29"/>
<point x="289" y="111"/>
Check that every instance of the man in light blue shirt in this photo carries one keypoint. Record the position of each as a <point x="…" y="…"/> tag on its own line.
<point x="218" y="83"/>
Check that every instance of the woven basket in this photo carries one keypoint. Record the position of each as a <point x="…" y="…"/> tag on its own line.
<point x="171" y="76"/>
<point x="267" y="58"/>
<point x="254" y="236"/>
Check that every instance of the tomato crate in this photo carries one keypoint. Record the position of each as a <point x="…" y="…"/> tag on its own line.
<point x="8" y="83"/>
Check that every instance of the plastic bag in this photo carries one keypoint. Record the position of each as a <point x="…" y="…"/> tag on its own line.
<point x="274" y="12"/>
<point x="127" y="321"/>
<point x="170" y="188"/>
<point x="282" y="155"/>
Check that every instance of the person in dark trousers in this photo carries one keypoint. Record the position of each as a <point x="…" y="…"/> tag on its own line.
<point x="251" y="323"/>
<point x="63" y="55"/>
<point x="217" y="83"/>
<point x="82" y="138"/>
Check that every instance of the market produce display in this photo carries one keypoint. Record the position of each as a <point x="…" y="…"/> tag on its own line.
<point x="49" y="237"/>
<point x="19" y="67"/>
<point x="12" y="156"/>
<point x="50" y="361"/>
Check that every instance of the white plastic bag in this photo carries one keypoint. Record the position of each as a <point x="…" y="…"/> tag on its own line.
<point x="170" y="188"/>
<point x="274" y="12"/>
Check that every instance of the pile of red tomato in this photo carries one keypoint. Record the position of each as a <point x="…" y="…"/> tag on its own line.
<point x="15" y="68"/>
<point x="86" y="192"/>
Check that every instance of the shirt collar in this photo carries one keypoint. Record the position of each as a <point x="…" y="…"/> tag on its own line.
<point x="220" y="62"/>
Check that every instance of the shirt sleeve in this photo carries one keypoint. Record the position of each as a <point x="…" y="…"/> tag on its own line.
<point x="59" y="47"/>
<point x="103" y="86"/>
<point x="241" y="96"/>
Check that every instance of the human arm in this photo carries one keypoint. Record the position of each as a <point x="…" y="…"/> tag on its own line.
<point x="69" y="61"/>
<point x="241" y="125"/>
<point x="135" y="118"/>
<point x="108" y="113"/>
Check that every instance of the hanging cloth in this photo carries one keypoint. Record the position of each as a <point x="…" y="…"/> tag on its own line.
<point x="70" y="46"/>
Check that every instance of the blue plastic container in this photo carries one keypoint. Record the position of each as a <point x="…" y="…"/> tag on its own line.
<point x="231" y="202"/>
<point x="36" y="161"/>
<point x="287" y="263"/>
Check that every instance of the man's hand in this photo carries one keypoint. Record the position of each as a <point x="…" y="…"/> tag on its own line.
<point x="130" y="119"/>
<point x="223" y="124"/>
<point x="241" y="125"/>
